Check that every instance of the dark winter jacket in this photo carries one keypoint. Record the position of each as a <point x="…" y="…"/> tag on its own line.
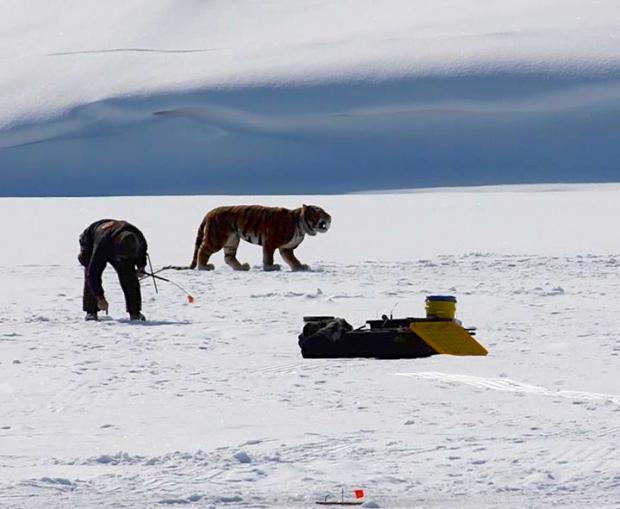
<point x="98" y="246"/>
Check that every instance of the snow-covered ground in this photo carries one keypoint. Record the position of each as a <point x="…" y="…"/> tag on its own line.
<point x="239" y="96"/>
<point x="212" y="405"/>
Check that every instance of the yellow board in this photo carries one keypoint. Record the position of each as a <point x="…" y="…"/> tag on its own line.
<point x="447" y="337"/>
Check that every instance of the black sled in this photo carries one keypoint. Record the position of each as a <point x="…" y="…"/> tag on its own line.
<point x="401" y="338"/>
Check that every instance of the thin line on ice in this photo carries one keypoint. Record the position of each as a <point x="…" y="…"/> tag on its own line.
<point x="506" y="384"/>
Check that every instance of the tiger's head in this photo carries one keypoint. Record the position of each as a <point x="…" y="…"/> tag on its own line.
<point x="314" y="219"/>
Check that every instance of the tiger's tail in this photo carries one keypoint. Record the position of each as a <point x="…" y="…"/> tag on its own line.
<point x="194" y="262"/>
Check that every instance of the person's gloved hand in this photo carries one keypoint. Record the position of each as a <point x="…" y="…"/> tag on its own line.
<point x="102" y="304"/>
<point x="141" y="272"/>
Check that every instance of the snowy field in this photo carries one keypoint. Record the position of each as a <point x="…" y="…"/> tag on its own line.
<point x="212" y="405"/>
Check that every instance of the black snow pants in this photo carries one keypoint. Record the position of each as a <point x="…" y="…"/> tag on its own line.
<point x="130" y="284"/>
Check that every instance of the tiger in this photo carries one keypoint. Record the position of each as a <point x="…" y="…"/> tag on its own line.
<point x="270" y="227"/>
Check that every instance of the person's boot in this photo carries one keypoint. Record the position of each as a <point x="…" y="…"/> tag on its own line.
<point x="90" y="317"/>
<point x="137" y="317"/>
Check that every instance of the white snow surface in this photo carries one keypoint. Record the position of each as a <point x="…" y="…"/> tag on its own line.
<point x="143" y="47"/>
<point x="211" y="404"/>
<point x="194" y="97"/>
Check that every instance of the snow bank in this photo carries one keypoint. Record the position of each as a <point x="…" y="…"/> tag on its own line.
<point x="154" y="97"/>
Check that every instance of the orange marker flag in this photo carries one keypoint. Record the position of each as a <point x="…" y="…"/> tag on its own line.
<point x="359" y="493"/>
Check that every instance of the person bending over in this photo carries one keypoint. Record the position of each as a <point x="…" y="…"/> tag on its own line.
<point x="123" y="246"/>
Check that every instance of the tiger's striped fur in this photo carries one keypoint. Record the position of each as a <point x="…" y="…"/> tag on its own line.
<point x="270" y="227"/>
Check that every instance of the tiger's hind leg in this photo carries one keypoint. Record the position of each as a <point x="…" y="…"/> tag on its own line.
<point x="268" y="264"/>
<point x="230" y="253"/>
<point x="203" y="257"/>
<point x="290" y="258"/>
<point x="205" y="250"/>
<point x="214" y="236"/>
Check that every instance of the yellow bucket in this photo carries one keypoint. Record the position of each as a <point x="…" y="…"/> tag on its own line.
<point x="441" y="306"/>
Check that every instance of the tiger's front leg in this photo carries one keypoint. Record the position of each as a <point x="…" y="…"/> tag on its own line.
<point x="268" y="264"/>
<point x="290" y="258"/>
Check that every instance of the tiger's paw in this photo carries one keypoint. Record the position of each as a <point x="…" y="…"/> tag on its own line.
<point x="208" y="266"/>
<point x="271" y="268"/>
<point x="301" y="268"/>
<point x="244" y="266"/>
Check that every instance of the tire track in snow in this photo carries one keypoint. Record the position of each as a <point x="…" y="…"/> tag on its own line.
<point x="72" y="394"/>
<point x="599" y="453"/>
<point x="283" y="369"/>
<point x="614" y="430"/>
<point x="324" y="447"/>
<point x="505" y="384"/>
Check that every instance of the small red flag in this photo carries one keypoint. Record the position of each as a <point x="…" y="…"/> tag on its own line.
<point x="190" y="299"/>
<point x="359" y="493"/>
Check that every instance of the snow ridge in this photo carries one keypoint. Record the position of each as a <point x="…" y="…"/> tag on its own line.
<point x="310" y="98"/>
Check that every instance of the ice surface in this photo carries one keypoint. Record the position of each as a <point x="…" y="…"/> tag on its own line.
<point x="212" y="405"/>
